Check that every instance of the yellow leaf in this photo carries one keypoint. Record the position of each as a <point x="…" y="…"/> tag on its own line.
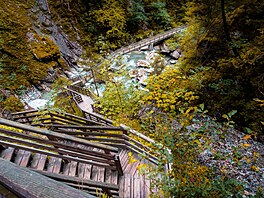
<point x="246" y="137"/>
<point x="246" y="145"/>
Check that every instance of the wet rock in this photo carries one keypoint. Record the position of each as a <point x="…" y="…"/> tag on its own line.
<point x="143" y="63"/>
<point x="172" y="61"/>
<point x="164" y="48"/>
<point x="176" y="55"/>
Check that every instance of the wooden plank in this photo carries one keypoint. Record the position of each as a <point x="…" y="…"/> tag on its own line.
<point x="42" y="162"/>
<point x="143" y="186"/>
<point x="84" y="171"/>
<point x="78" y="180"/>
<point x="57" y="165"/>
<point x="136" y="185"/>
<point x="19" y="156"/>
<point x="127" y="186"/>
<point x="114" y="178"/>
<point x="38" y="161"/>
<point x="97" y="128"/>
<point x="121" y="186"/>
<point x="7" y="153"/>
<point x="94" y="173"/>
<point x="35" y="160"/>
<point x="108" y="175"/>
<point x="55" y="134"/>
<point x="70" y="169"/>
<point x="27" y="183"/>
<point x="25" y="159"/>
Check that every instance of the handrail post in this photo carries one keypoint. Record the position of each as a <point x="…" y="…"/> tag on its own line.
<point x="118" y="165"/>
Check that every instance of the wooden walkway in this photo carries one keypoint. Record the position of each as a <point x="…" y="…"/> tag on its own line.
<point x="145" y="42"/>
<point x="68" y="151"/>
<point x="27" y="183"/>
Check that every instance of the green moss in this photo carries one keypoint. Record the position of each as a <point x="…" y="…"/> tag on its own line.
<point x="44" y="48"/>
<point x="22" y="61"/>
<point x="12" y="104"/>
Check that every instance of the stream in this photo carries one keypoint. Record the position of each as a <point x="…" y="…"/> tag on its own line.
<point x="137" y="65"/>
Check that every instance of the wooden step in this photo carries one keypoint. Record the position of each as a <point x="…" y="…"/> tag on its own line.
<point x="38" y="161"/>
<point x="54" y="165"/>
<point x="7" y="153"/>
<point x="70" y="168"/>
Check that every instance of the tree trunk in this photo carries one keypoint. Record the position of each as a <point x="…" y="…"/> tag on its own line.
<point x="226" y="30"/>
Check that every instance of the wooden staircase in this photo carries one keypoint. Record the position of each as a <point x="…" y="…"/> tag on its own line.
<point x="87" y="153"/>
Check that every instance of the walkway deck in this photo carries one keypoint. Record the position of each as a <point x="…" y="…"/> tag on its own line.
<point x="150" y="40"/>
<point x="27" y="183"/>
<point x="70" y="152"/>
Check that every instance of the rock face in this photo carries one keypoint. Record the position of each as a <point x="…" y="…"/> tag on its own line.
<point x="69" y="50"/>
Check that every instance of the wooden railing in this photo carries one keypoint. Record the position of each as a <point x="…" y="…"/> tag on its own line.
<point x="81" y="90"/>
<point x="147" y="41"/>
<point x="93" y="127"/>
<point x="35" y="118"/>
<point x="51" y="143"/>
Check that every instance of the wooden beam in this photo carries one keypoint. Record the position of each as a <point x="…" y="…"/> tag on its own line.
<point x="56" y="135"/>
<point x="108" y="128"/>
<point x="27" y="183"/>
<point x="77" y="180"/>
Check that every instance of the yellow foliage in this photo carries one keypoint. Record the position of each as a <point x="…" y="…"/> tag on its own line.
<point x="246" y="137"/>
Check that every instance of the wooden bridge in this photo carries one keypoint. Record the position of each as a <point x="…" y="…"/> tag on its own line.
<point x="148" y="41"/>
<point x="87" y="153"/>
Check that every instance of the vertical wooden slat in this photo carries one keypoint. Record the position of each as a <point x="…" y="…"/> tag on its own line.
<point x="7" y="153"/>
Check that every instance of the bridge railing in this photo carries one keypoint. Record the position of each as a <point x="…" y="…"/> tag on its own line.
<point x="147" y="41"/>
<point x="43" y="141"/>
<point x="93" y="127"/>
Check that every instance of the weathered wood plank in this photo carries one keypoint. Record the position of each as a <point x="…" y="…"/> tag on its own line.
<point x="19" y="156"/>
<point x="42" y="162"/>
<point x="27" y="183"/>
<point x="108" y="176"/>
<point x="84" y="171"/>
<point x="51" y="164"/>
<point x="121" y="186"/>
<point x="25" y="160"/>
<point x="78" y="180"/>
<point x="7" y="153"/>
<point x="114" y="178"/>
<point x="57" y="165"/>
<point x="70" y="169"/>
<point x="127" y="186"/>
<point x="137" y="187"/>
<point x="38" y="161"/>
<point x="55" y="134"/>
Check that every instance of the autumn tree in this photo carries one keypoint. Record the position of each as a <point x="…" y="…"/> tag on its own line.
<point x="111" y="17"/>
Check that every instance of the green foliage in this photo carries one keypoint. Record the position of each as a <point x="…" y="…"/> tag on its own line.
<point x="160" y="14"/>
<point x="119" y="101"/>
<point x="227" y="72"/>
<point x="180" y="146"/>
<point x="19" y="67"/>
<point x="112" y="20"/>
<point x="12" y="104"/>
<point x="137" y="16"/>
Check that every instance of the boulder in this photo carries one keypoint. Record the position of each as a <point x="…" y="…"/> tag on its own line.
<point x="143" y="63"/>
<point x="164" y="48"/>
<point x="175" y="54"/>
